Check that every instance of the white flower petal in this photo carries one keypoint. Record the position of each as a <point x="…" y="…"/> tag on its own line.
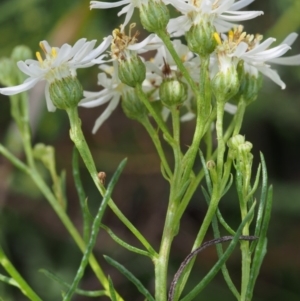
<point x="104" y="5"/>
<point x="50" y="105"/>
<point x="187" y="117"/>
<point x="273" y="75"/>
<point x="28" y="84"/>
<point x="240" y="16"/>
<point x="230" y="108"/>
<point x="240" y="4"/>
<point x="106" y="113"/>
<point x="290" y="39"/>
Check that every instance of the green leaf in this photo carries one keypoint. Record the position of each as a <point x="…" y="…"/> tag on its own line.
<point x="261" y="247"/>
<point x="206" y="173"/>
<point x="9" y="281"/>
<point x="81" y="195"/>
<point x="130" y="277"/>
<point x="95" y="230"/>
<point x="211" y="274"/>
<point x="124" y="244"/>
<point x="112" y="291"/>
<point x="67" y="285"/>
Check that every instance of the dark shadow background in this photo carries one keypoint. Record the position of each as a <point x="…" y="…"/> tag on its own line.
<point x="34" y="238"/>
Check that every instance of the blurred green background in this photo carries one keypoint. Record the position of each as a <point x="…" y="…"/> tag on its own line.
<point x="34" y="238"/>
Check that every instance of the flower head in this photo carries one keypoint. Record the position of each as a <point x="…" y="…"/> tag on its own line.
<point x="58" y="64"/>
<point x="220" y="13"/>
<point x="239" y="46"/>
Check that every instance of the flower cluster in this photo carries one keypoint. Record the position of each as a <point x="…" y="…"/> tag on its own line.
<point x="204" y="24"/>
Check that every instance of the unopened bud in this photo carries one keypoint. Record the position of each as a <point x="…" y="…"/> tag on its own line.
<point x="66" y="92"/>
<point x="132" y="71"/>
<point x="172" y="92"/>
<point x="154" y="15"/>
<point x="225" y="84"/>
<point x="200" y="38"/>
<point x="132" y="106"/>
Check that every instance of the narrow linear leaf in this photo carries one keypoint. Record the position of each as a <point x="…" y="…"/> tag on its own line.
<point x="112" y="291"/>
<point x="81" y="195"/>
<point x="130" y="277"/>
<point x="228" y="185"/>
<point x="210" y="275"/>
<point x="219" y="214"/>
<point x="220" y="253"/>
<point x="9" y="281"/>
<point x="261" y="247"/>
<point x="206" y="173"/>
<point x="183" y="190"/>
<point x="124" y="244"/>
<point x="67" y="285"/>
<point x="263" y="197"/>
<point x="95" y="230"/>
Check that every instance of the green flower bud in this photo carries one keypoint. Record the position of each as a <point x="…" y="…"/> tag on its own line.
<point x="154" y="15"/>
<point x="172" y="92"/>
<point x="250" y="85"/>
<point x="225" y="84"/>
<point x="132" y="71"/>
<point x="132" y="106"/>
<point x="200" y="38"/>
<point x="66" y="93"/>
<point x="21" y="53"/>
<point x="235" y="141"/>
<point x="245" y="147"/>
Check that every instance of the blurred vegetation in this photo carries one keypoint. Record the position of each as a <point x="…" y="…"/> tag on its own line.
<point x="34" y="238"/>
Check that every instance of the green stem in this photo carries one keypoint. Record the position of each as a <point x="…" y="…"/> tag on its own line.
<point x="22" y="284"/>
<point x="58" y="210"/>
<point x="170" y="228"/>
<point x="81" y="196"/>
<point x="155" y="138"/>
<point x="161" y="262"/>
<point x="220" y="138"/>
<point x="94" y="233"/>
<point x="239" y="116"/>
<point x="143" y="97"/>
<point x="77" y="137"/>
<point x="168" y="43"/>
<point x="203" y="107"/>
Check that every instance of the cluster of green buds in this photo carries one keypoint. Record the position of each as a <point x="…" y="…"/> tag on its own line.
<point x="240" y="153"/>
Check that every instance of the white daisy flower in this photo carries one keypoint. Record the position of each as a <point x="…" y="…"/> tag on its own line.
<point x="221" y="13"/>
<point x="59" y="63"/>
<point x="239" y="46"/>
<point x="122" y="48"/>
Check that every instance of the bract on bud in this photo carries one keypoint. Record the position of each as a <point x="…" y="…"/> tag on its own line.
<point x="132" y="106"/>
<point x="200" y="38"/>
<point x="154" y="15"/>
<point x="250" y="84"/>
<point x="66" y="92"/>
<point x="132" y="71"/>
<point x="172" y="92"/>
<point x="235" y="141"/>
<point x="225" y="84"/>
